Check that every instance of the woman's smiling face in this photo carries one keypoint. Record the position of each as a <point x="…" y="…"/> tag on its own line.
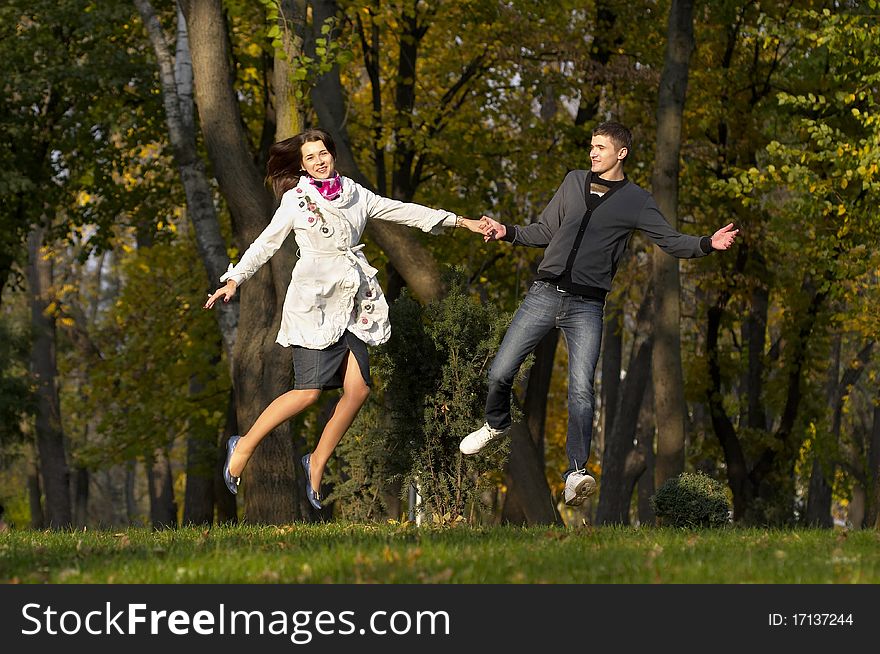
<point x="317" y="160"/>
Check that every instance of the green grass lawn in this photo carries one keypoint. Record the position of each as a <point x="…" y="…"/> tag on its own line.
<point x="403" y="553"/>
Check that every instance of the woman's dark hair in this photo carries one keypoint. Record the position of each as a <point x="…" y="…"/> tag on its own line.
<point x="284" y="167"/>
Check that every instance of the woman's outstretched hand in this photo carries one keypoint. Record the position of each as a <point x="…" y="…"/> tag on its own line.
<point x="471" y="224"/>
<point x="226" y="291"/>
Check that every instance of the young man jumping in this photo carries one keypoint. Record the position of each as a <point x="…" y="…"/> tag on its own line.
<point x="584" y="230"/>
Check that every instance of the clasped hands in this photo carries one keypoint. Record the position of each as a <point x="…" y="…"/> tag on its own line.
<point x="491" y="229"/>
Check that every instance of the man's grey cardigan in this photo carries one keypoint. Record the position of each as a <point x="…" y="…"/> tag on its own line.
<point x="584" y="245"/>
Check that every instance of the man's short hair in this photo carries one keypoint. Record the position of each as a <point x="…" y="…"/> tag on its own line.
<point x="619" y="135"/>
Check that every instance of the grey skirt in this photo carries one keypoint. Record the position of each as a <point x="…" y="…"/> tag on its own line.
<point x="323" y="368"/>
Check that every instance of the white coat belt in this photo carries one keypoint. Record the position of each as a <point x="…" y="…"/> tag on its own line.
<point x="353" y="254"/>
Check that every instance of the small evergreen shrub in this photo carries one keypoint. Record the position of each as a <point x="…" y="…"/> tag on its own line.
<point x="691" y="500"/>
<point x="430" y="393"/>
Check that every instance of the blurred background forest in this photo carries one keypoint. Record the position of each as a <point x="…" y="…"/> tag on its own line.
<point x="134" y="141"/>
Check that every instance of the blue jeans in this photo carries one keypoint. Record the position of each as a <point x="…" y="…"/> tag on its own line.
<point x="580" y="319"/>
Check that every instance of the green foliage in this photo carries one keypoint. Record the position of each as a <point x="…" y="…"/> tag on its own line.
<point x="432" y="388"/>
<point x="691" y="500"/>
<point x="18" y="511"/>
<point x="330" y="49"/>
<point x="154" y="371"/>
<point x="795" y="169"/>
<point x="17" y="400"/>
<point x="505" y="97"/>
<point x="490" y="130"/>
<point x="76" y="106"/>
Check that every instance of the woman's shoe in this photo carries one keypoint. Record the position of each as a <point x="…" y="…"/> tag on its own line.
<point x="231" y="482"/>
<point x="314" y="497"/>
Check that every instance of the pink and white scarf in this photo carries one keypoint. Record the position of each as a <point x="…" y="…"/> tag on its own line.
<point x="328" y="188"/>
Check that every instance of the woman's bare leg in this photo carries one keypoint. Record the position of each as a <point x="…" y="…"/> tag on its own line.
<point x="282" y="408"/>
<point x="354" y="393"/>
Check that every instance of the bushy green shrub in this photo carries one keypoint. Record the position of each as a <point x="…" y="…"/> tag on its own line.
<point x="430" y="393"/>
<point x="691" y="500"/>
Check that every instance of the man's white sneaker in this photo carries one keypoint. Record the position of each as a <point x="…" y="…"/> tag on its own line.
<point x="578" y="487"/>
<point x="477" y="440"/>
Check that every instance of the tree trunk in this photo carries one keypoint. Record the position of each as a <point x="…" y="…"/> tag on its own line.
<point x="198" y="502"/>
<point x="822" y="473"/>
<point x="872" y="513"/>
<point x="756" y="337"/>
<point x="262" y="370"/>
<point x="825" y="463"/>
<point x="411" y="34"/>
<point x="289" y="115"/>
<point x="527" y="481"/>
<point x="163" y="508"/>
<point x="855" y="510"/>
<point x="176" y="76"/>
<point x="81" y="497"/>
<point x="734" y="457"/>
<point x="34" y="497"/>
<point x="612" y="361"/>
<point x="633" y="470"/>
<point x="528" y="499"/>
<point x="646" y="446"/>
<point x="113" y="483"/>
<point x="227" y="509"/>
<point x="781" y="458"/>
<point x="619" y="463"/>
<point x="370" y="46"/>
<point x="132" y="511"/>
<point x="668" y="379"/>
<point x="775" y="464"/>
<point x="50" y="437"/>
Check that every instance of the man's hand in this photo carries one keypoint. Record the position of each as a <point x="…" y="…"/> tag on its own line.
<point x="724" y="237"/>
<point x="492" y="229"/>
